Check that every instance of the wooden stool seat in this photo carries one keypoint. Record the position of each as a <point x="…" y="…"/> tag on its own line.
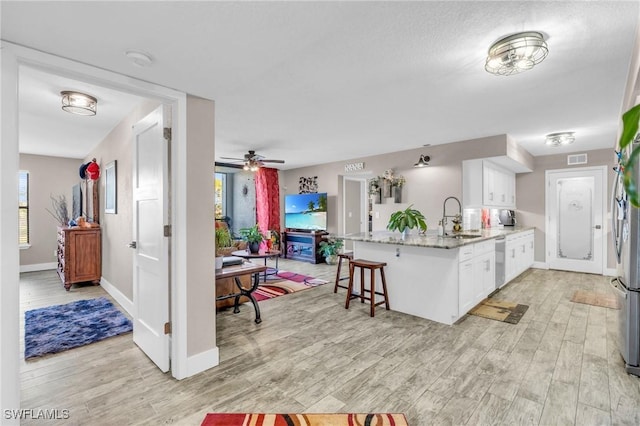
<point x="372" y="266"/>
<point x="349" y="257"/>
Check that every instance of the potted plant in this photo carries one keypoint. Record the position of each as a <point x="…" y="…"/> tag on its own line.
<point x="253" y="237"/>
<point x="330" y="248"/>
<point x="407" y="219"/>
<point x="630" y="120"/>
<point x="223" y="240"/>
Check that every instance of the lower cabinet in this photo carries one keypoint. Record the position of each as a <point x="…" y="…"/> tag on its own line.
<point x="476" y="274"/>
<point x="519" y="254"/>
<point x="79" y="255"/>
<point x="302" y="246"/>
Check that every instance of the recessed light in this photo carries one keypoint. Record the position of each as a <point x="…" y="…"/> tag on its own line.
<point x="139" y="58"/>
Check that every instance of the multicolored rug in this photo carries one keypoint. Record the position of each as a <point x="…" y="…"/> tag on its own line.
<point x="343" y="419"/>
<point x="61" y="327"/>
<point x="283" y="283"/>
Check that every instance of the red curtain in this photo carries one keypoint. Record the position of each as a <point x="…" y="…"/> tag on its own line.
<point x="267" y="199"/>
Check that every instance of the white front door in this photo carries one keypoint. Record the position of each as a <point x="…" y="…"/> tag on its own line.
<point x="151" y="255"/>
<point x="575" y="219"/>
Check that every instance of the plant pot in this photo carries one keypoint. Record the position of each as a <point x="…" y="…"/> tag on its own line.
<point x="219" y="260"/>
<point x="332" y="259"/>
<point x="405" y="233"/>
<point x="254" y="248"/>
<point x="397" y="194"/>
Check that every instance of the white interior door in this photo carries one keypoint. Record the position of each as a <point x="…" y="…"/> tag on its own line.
<point x="151" y="258"/>
<point x="575" y="218"/>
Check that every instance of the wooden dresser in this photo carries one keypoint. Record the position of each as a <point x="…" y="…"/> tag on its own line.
<point x="79" y="255"/>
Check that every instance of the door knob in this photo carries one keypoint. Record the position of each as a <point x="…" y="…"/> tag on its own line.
<point x="598" y="227"/>
<point x="133" y="244"/>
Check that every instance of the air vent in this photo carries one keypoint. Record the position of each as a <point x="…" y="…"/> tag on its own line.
<point x="574" y="159"/>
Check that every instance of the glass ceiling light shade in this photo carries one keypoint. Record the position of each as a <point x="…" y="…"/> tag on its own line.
<point x="423" y="161"/>
<point x="79" y="103"/>
<point x="516" y="53"/>
<point x="560" y="139"/>
<point x="251" y="165"/>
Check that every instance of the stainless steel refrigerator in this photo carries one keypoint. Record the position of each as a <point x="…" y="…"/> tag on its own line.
<point x="625" y="231"/>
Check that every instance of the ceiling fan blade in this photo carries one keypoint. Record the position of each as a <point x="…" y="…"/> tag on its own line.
<point x="232" y="158"/>
<point x="272" y="161"/>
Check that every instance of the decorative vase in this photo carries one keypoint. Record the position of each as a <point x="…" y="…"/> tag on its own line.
<point x="405" y="233"/>
<point x="254" y="248"/>
<point x="377" y="196"/>
<point x="332" y="259"/>
<point x="397" y="194"/>
<point x="219" y="260"/>
<point x="386" y="188"/>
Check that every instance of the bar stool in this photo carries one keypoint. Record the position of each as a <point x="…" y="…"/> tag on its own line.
<point x="372" y="267"/>
<point x="349" y="257"/>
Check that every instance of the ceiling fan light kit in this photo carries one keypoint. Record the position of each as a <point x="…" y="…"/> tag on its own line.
<point x="560" y="139"/>
<point x="79" y="103"/>
<point x="252" y="161"/>
<point x="516" y="53"/>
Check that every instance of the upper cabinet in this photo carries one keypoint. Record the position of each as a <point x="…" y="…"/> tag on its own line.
<point x="486" y="184"/>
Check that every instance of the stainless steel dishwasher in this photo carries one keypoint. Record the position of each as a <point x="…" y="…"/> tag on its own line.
<point x="500" y="261"/>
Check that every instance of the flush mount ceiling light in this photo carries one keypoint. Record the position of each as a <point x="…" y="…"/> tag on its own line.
<point x="139" y="58"/>
<point x="423" y="161"/>
<point x="79" y="103"/>
<point x="559" y="139"/>
<point x="516" y="53"/>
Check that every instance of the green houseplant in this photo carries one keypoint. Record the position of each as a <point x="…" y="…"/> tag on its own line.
<point x="330" y="248"/>
<point x="253" y="237"/>
<point x="630" y="121"/>
<point x="404" y="220"/>
<point x="223" y="240"/>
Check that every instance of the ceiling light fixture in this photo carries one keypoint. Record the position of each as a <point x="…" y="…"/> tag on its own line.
<point x="516" y="53"/>
<point x="139" y="58"/>
<point x="423" y="161"/>
<point x="251" y="165"/>
<point x="79" y="103"/>
<point x="559" y="139"/>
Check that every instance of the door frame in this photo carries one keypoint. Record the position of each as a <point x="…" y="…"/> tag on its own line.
<point x="12" y="58"/>
<point x="599" y="186"/>
<point x="363" y="202"/>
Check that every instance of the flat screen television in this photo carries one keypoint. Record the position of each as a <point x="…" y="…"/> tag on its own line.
<point x="305" y="212"/>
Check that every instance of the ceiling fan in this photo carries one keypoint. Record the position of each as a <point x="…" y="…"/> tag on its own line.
<point x="252" y="161"/>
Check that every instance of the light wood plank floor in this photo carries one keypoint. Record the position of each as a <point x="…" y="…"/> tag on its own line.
<point x="559" y="365"/>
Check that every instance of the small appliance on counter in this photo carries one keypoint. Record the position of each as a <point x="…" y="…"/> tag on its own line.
<point x="507" y="217"/>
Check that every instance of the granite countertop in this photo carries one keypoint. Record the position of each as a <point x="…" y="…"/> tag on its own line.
<point x="432" y="240"/>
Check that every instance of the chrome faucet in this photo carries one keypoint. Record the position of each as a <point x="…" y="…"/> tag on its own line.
<point x="444" y="213"/>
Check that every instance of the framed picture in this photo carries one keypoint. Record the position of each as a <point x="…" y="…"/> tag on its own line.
<point x="110" y="188"/>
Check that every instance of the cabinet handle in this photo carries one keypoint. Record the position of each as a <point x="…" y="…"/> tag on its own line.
<point x="503" y="198"/>
<point x="491" y="196"/>
<point x="487" y="264"/>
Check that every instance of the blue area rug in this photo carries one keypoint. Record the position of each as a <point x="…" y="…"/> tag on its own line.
<point x="58" y="328"/>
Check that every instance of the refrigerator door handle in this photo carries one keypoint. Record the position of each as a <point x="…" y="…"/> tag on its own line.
<point x="619" y="287"/>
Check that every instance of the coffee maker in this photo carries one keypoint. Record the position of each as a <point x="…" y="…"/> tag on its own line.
<point x="507" y="217"/>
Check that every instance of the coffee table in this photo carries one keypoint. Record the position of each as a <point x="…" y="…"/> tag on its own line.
<point x="235" y="272"/>
<point x="262" y="254"/>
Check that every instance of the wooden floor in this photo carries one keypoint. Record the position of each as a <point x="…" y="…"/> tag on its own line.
<point x="559" y="365"/>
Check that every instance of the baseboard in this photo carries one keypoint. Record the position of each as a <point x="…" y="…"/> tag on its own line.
<point x="202" y="361"/>
<point x="38" y="267"/>
<point x="540" y="265"/>
<point x="610" y="272"/>
<point x="119" y="297"/>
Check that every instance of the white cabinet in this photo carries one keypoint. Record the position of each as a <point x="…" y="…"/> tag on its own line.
<point x="484" y="183"/>
<point x="476" y="274"/>
<point x="519" y="254"/>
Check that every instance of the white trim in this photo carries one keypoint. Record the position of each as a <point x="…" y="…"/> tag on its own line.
<point x="61" y="66"/>
<point x="540" y="265"/>
<point x="24" y="246"/>
<point x="203" y="361"/>
<point x="363" y="202"/>
<point x="610" y="272"/>
<point x="38" y="267"/>
<point x="118" y="296"/>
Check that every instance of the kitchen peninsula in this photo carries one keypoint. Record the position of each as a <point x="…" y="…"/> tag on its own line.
<point x="442" y="278"/>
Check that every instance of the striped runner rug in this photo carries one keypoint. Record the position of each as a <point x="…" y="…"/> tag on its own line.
<point x="341" y="419"/>
<point x="285" y="283"/>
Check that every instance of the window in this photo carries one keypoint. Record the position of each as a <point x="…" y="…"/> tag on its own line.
<point x="220" y="195"/>
<point x="23" y="207"/>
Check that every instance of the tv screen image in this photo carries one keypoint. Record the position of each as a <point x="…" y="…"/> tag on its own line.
<point x="306" y="211"/>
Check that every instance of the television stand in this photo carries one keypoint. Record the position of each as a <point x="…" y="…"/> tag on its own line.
<point x="300" y="245"/>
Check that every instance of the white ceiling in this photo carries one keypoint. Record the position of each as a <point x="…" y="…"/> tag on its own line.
<point x="314" y="82"/>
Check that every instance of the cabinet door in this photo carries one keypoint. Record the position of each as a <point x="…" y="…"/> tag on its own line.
<point x="510" y="261"/>
<point x="529" y="250"/>
<point x="488" y="184"/>
<point x="487" y="264"/>
<point x="466" y="292"/>
<point x="510" y="189"/>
